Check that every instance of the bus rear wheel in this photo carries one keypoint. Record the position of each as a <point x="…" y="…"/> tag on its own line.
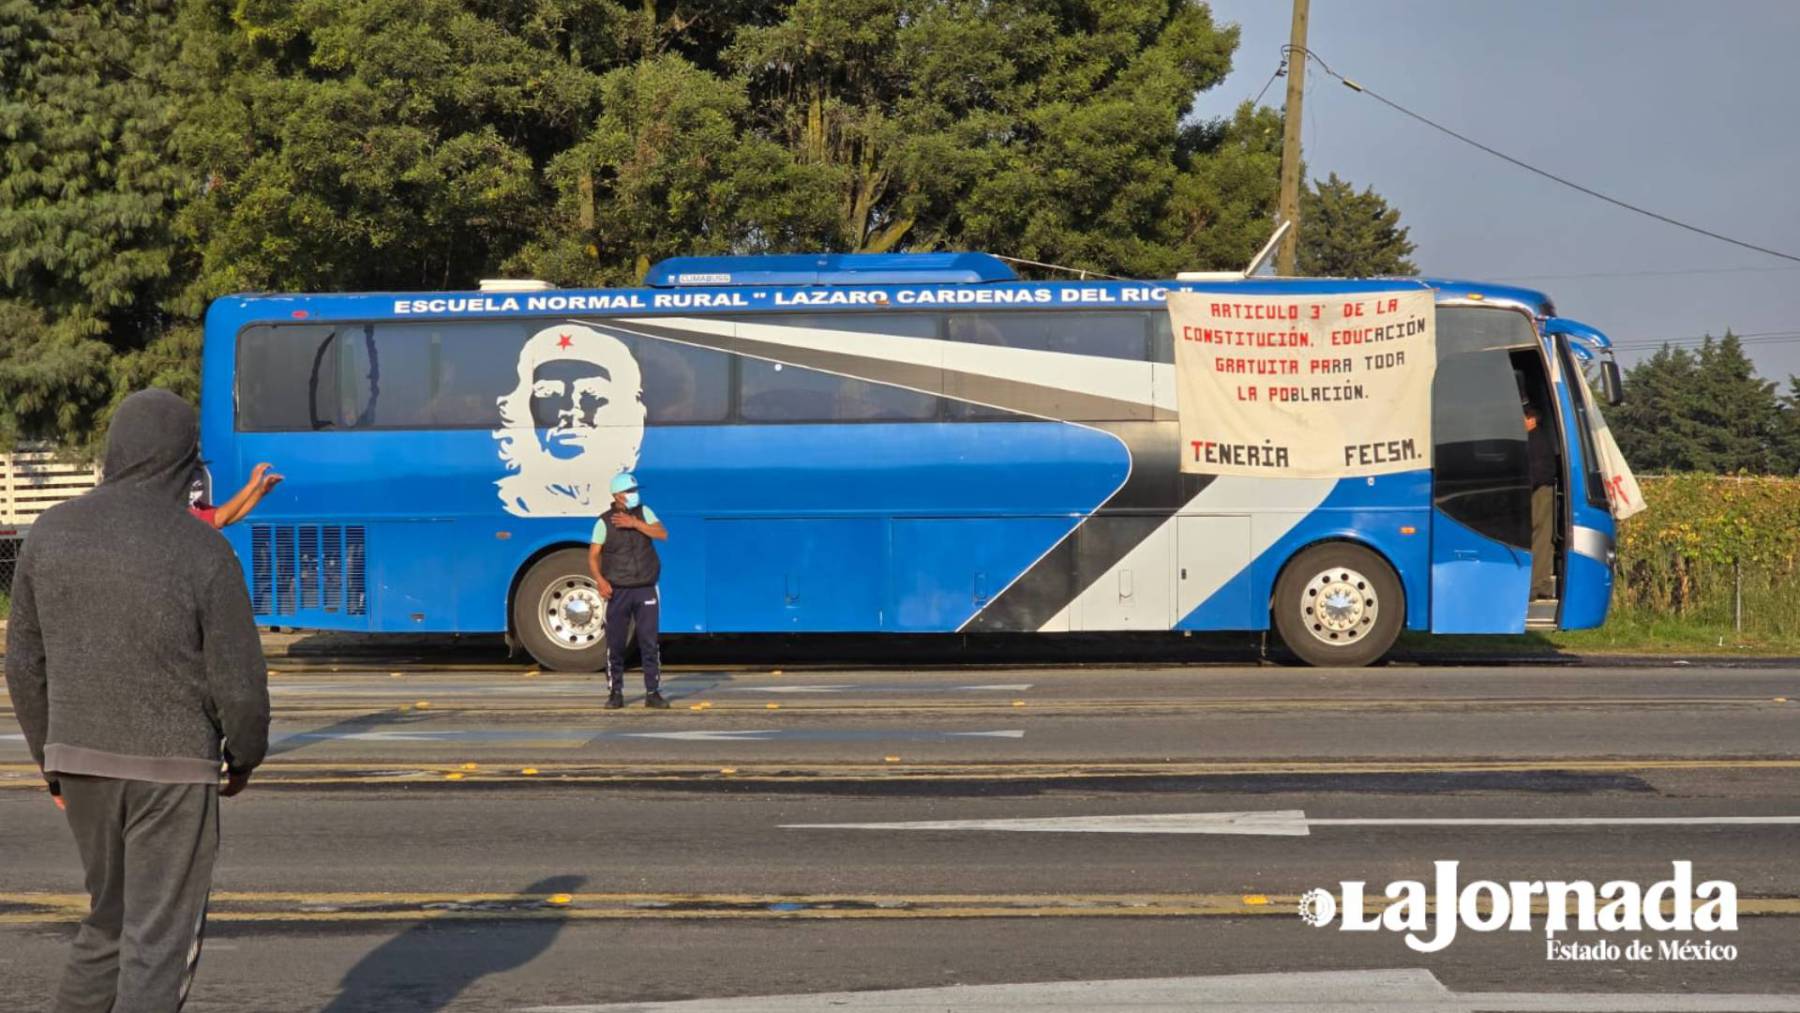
<point x="558" y="614"/>
<point x="1339" y="606"/>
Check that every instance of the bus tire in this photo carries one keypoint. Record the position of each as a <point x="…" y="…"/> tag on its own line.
<point x="558" y="614"/>
<point x="1338" y="605"/>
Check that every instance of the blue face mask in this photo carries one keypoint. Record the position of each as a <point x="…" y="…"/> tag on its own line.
<point x="631" y="500"/>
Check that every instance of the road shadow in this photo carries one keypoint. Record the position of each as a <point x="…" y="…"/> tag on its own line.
<point x="337" y="729"/>
<point x="428" y="966"/>
<point x="906" y="651"/>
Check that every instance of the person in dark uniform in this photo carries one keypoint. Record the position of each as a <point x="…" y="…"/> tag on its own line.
<point x="1540" y="453"/>
<point x="622" y="559"/>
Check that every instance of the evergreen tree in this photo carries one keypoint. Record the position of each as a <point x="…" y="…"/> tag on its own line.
<point x="1737" y="412"/>
<point x="1345" y="234"/>
<point x="1788" y="456"/>
<point x="1703" y="411"/>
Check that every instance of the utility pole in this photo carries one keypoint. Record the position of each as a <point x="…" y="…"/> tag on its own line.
<point x="1290" y="142"/>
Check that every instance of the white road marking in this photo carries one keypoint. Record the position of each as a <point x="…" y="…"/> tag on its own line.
<point x="787" y="689"/>
<point x="434" y="736"/>
<point x="826" y="735"/>
<point x="703" y="735"/>
<point x="1379" y="991"/>
<point x="1007" y="687"/>
<point x="1282" y="823"/>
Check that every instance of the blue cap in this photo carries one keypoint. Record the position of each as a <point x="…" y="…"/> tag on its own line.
<point x="624" y="481"/>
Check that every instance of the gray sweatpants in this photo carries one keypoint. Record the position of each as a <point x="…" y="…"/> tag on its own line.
<point x="148" y="850"/>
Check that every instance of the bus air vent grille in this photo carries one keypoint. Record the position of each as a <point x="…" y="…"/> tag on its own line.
<point x="261" y="578"/>
<point x="284" y="570"/>
<point x="298" y="567"/>
<point x="309" y="567"/>
<point x="356" y="601"/>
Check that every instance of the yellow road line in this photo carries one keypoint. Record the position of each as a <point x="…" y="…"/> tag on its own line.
<point x="296" y="773"/>
<point x="445" y="704"/>
<point x="276" y="907"/>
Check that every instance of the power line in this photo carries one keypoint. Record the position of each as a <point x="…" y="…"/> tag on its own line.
<point x="1265" y="88"/>
<point x="1753" y="338"/>
<point x="1645" y="274"/>
<point x="1698" y="338"/>
<point x="1397" y="107"/>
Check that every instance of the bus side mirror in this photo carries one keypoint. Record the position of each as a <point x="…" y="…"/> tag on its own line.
<point x="1612" y="386"/>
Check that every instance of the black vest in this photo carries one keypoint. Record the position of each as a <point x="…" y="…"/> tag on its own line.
<point x="628" y="557"/>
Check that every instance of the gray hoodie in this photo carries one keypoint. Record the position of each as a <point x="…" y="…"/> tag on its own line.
<point x="131" y="651"/>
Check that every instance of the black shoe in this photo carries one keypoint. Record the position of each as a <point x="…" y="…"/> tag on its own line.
<point x="615" y="700"/>
<point x="655" y="700"/>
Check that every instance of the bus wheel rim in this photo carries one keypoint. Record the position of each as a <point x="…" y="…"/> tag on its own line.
<point x="572" y="613"/>
<point x="1339" y="607"/>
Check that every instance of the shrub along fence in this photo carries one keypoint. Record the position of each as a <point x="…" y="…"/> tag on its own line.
<point x="1720" y="550"/>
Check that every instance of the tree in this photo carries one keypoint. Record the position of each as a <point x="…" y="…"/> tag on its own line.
<point x="1788" y="434"/>
<point x="372" y="144"/>
<point x="1345" y="234"/>
<point x="1703" y="411"/>
<point x="1049" y="134"/>
<point x="1738" y="413"/>
<point x="1654" y="425"/>
<point x="89" y="263"/>
<point x="161" y="153"/>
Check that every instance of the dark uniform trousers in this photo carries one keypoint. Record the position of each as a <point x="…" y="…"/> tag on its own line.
<point x="628" y="605"/>
<point x="148" y="850"/>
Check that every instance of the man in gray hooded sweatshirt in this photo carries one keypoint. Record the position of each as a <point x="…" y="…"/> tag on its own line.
<point x="136" y="673"/>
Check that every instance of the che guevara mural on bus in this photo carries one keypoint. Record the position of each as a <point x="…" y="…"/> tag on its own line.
<point x="573" y="421"/>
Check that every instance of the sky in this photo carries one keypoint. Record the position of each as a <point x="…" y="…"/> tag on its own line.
<point x="1687" y="109"/>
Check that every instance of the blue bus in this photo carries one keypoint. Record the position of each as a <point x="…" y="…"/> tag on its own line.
<point x="907" y="443"/>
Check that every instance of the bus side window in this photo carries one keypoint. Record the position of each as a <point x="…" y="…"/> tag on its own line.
<point x="423" y="375"/>
<point x="1106" y="335"/>
<point x="1162" y="337"/>
<point x="774" y="392"/>
<point x="1109" y="335"/>
<point x="683" y="384"/>
<point x="278" y="373"/>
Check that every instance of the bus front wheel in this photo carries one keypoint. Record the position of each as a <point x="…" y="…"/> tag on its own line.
<point x="1338" y="605"/>
<point x="558" y="614"/>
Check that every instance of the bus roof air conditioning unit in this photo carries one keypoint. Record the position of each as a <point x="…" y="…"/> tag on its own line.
<point x="515" y="285"/>
<point x="830" y="269"/>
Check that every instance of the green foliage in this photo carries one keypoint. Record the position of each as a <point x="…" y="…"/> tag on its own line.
<point x="1345" y="234"/>
<point x="88" y="261"/>
<point x="1676" y="558"/>
<point x="369" y="144"/>
<point x="160" y="153"/>
<point x="1704" y="411"/>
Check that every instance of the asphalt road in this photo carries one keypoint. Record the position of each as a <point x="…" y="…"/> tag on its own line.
<point x="450" y="835"/>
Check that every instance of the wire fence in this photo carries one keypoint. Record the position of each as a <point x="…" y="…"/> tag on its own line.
<point x="1715" y="550"/>
<point x="33" y="478"/>
<point x="8" y="556"/>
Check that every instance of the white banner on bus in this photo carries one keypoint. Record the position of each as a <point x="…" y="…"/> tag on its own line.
<point x="1622" y="492"/>
<point x="1321" y="386"/>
